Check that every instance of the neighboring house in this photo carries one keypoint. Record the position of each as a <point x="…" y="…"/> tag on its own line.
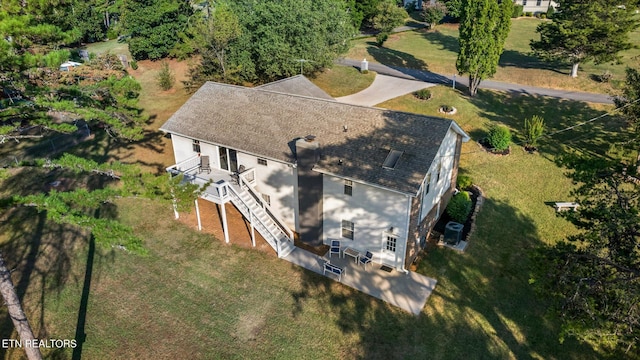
<point x="319" y="170"/>
<point x="533" y="6"/>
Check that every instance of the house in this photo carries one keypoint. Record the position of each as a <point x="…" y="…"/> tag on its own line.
<point x="532" y="6"/>
<point x="536" y="6"/>
<point x="298" y="164"/>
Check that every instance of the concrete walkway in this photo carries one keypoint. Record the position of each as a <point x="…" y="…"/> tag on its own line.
<point x="406" y="291"/>
<point x="384" y="88"/>
<point x="430" y="77"/>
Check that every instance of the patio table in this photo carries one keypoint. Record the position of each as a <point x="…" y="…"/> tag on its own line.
<point x="351" y="252"/>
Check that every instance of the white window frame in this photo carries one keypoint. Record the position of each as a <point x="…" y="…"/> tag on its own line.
<point x="196" y="146"/>
<point x="347" y="227"/>
<point x="348" y="187"/>
<point x="391" y="243"/>
<point x="262" y="162"/>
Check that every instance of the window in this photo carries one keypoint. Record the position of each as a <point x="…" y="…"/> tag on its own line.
<point x="392" y="159"/>
<point x="266" y="199"/>
<point x="524" y="2"/>
<point x="539" y="3"/>
<point x="348" y="187"/>
<point x="439" y="172"/>
<point x="390" y="243"/>
<point x="427" y="184"/>
<point x="262" y="162"/>
<point x="196" y="146"/>
<point x="347" y="229"/>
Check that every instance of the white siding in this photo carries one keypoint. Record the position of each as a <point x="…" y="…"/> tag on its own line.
<point x="373" y="211"/>
<point x="279" y="181"/>
<point x="182" y="148"/>
<point x="445" y="158"/>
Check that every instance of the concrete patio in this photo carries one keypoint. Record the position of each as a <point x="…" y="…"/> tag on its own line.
<point x="407" y="291"/>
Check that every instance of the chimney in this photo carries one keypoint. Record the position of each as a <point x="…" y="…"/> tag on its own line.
<point x="309" y="190"/>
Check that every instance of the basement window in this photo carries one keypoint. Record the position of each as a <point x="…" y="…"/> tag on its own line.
<point x="392" y="159"/>
<point x="266" y="199"/>
<point x="262" y="162"/>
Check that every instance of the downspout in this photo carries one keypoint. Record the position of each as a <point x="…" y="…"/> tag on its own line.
<point x="406" y="242"/>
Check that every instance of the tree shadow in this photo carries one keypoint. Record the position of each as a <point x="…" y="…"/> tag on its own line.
<point x="512" y="58"/>
<point x="395" y="58"/>
<point x="446" y="42"/>
<point x="482" y="306"/>
<point x="40" y="253"/>
<point x="559" y="114"/>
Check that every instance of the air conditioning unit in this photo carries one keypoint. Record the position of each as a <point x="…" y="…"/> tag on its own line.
<point x="453" y="233"/>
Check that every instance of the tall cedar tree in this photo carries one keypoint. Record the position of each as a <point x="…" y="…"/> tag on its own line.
<point x="484" y="27"/>
<point x="581" y="31"/>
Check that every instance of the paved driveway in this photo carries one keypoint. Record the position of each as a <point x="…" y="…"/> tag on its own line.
<point x="382" y="89"/>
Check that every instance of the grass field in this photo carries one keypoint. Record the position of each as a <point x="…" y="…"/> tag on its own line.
<point x="193" y="296"/>
<point x="436" y="50"/>
<point x="343" y="80"/>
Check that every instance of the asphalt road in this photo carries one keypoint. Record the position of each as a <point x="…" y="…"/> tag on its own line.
<point x="430" y="77"/>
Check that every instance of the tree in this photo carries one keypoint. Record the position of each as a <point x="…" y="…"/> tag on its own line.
<point x="484" y="27"/>
<point x="593" y="279"/>
<point x="154" y="26"/>
<point x="389" y="16"/>
<point x="214" y="34"/>
<point x="434" y="13"/>
<point x="15" y="311"/>
<point x="165" y="77"/>
<point x="454" y="8"/>
<point x="586" y="31"/>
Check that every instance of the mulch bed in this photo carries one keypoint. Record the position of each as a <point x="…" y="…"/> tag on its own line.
<point x="445" y="218"/>
<point x="486" y="147"/>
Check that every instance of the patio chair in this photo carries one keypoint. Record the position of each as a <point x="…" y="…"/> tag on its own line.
<point x="335" y="248"/>
<point x="366" y="259"/>
<point x="204" y="164"/>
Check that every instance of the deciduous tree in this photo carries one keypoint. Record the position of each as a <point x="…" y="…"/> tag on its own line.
<point x="484" y="27"/>
<point x="389" y="16"/>
<point x="586" y="31"/>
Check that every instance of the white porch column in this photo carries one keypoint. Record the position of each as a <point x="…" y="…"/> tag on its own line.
<point x="253" y="234"/>
<point x="198" y="215"/>
<point x="225" y="227"/>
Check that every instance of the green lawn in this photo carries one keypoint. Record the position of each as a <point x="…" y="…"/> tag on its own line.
<point x="436" y="50"/>
<point x="343" y="80"/>
<point x="195" y="297"/>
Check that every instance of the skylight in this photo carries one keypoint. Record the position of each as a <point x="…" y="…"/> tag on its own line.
<point x="392" y="159"/>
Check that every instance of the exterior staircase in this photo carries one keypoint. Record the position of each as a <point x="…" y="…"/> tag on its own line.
<point x="272" y="229"/>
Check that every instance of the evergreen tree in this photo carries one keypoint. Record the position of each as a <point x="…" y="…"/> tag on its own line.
<point x="586" y="31"/>
<point x="484" y="27"/>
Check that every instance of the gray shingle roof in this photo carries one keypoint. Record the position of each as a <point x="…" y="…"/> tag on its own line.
<point x="296" y="85"/>
<point x="266" y="123"/>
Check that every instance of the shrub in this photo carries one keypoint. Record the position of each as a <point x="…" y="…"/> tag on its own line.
<point x="459" y="207"/>
<point x="464" y="182"/>
<point x="365" y="71"/>
<point x="528" y="14"/>
<point x="605" y="77"/>
<point x="550" y="11"/>
<point x="543" y="16"/>
<point x="447" y="108"/>
<point x="165" y="77"/>
<point x="423" y="94"/>
<point x="533" y="129"/>
<point x="433" y="14"/>
<point x="517" y="11"/>
<point x="134" y="64"/>
<point x="499" y="137"/>
<point x="111" y="34"/>
<point x="381" y="38"/>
